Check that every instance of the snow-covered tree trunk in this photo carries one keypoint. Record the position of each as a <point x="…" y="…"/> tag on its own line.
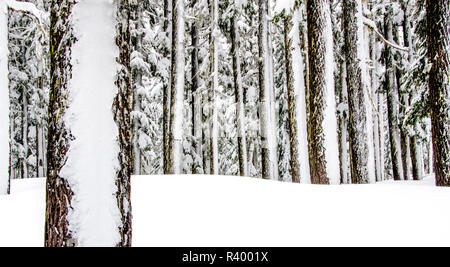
<point x="4" y="101"/>
<point x="167" y="28"/>
<point x="213" y="124"/>
<point x="25" y="133"/>
<point x="292" y="103"/>
<point x="239" y="94"/>
<point x="59" y="191"/>
<point x="391" y="90"/>
<point x="267" y="148"/>
<point x="122" y="107"/>
<point x="299" y="67"/>
<point x="342" y="110"/>
<point x="322" y="124"/>
<point x="90" y="140"/>
<point x="356" y="92"/>
<point x="438" y="40"/>
<point x="176" y="89"/>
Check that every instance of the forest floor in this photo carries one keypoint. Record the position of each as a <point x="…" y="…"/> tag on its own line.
<point x="234" y="211"/>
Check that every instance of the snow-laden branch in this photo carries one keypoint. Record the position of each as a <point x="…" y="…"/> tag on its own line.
<point x="371" y="24"/>
<point x="29" y="8"/>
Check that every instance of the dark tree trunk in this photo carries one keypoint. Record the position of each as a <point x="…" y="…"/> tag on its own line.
<point x="166" y="91"/>
<point x="292" y="103"/>
<point x="122" y="107"/>
<point x="59" y="193"/>
<point x="438" y="32"/>
<point x="356" y="95"/>
<point x="317" y="19"/>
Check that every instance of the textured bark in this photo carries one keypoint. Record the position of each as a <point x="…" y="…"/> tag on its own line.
<point x="356" y="95"/>
<point x="392" y="100"/>
<point x="166" y="90"/>
<point x="122" y="107"/>
<point x="175" y="142"/>
<point x="59" y="193"/>
<point x="318" y="17"/>
<point x="136" y="11"/>
<point x="213" y="127"/>
<point x="239" y="95"/>
<point x="438" y="40"/>
<point x="264" y="97"/>
<point x="292" y="103"/>
<point x="343" y="124"/>
<point x="197" y="166"/>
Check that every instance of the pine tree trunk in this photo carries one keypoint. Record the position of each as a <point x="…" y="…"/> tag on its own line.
<point x="292" y="103"/>
<point x="4" y="104"/>
<point x="176" y="89"/>
<point x="59" y="192"/>
<point x="213" y="125"/>
<point x="343" y="124"/>
<point x="322" y="125"/>
<point x="239" y="95"/>
<point x="167" y="28"/>
<point x="197" y="166"/>
<point x="356" y="93"/>
<point x="122" y="107"/>
<point x="438" y="33"/>
<point x="25" y="133"/>
<point x="390" y="88"/>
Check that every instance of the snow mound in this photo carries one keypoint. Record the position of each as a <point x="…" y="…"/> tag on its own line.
<point x="233" y="211"/>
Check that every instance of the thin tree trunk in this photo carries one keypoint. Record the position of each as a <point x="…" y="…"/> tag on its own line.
<point x="213" y="125"/>
<point x="166" y="91"/>
<point x="356" y="92"/>
<point x="292" y="103"/>
<point x="239" y="95"/>
<point x="25" y="133"/>
<point x="392" y="99"/>
<point x="176" y="89"/>
<point x="438" y="33"/>
<point x="4" y="104"/>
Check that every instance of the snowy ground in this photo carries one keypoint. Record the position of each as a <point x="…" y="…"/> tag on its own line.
<point x="234" y="211"/>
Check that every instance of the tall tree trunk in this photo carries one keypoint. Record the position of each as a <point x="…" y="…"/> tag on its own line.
<point x="25" y="132"/>
<point x="167" y="28"/>
<point x="356" y="92"/>
<point x="177" y="89"/>
<point x="292" y="103"/>
<point x="4" y="104"/>
<point x="213" y="125"/>
<point x="239" y="94"/>
<point x="88" y="185"/>
<point x="122" y="107"/>
<point x="322" y="124"/>
<point x="390" y="88"/>
<point x="197" y="166"/>
<point x="59" y="192"/>
<point x="438" y="33"/>
<point x="343" y="124"/>
<point x="267" y="148"/>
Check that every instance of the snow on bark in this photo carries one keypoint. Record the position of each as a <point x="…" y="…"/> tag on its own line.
<point x="298" y="68"/>
<point x="214" y="127"/>
<point x="438" y="14"/>
<point x="92" y="160"/>
<point x="322" y="123"/>
<point x="177" y="89"/>
<point x="4" y="101"/>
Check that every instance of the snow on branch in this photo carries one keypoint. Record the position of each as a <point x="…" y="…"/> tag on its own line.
<point x="30" y="8"/>
<point x="371" y="24"/>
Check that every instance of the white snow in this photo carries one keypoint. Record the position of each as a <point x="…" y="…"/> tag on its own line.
<point x="4" y="100"/>
<point x="92" y="158"/>
<point x="235" y="211"/>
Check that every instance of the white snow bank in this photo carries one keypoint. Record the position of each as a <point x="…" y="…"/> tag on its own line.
<point x="235" y="211"/>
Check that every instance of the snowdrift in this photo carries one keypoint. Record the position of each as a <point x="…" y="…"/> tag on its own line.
<point x="233" y="211"/>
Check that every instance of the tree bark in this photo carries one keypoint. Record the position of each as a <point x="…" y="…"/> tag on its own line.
<point x="59" y="192"/>
<point x="390" y="88"/>
<point x="438" y="40"/>
<point x="356" y="92"/>
<point x="166" y="86"/>
<point x="322" y="125"/>
<point x="239" y="95"/>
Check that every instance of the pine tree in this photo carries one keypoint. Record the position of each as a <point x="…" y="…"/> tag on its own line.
<point x="322" y="125"/>
<point x="438" y="40"/>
